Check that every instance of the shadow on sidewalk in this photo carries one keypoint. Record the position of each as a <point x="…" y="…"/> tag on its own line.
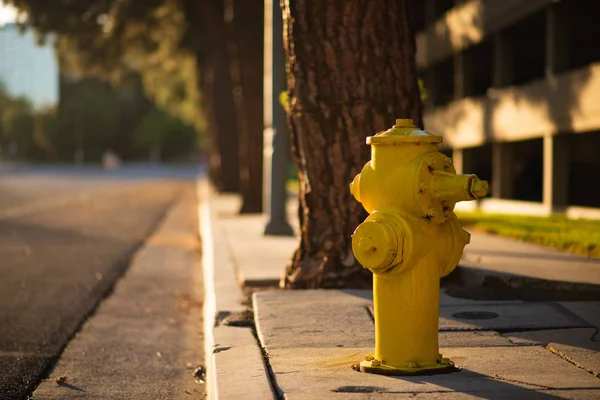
<point x="491" y="387"/>
<point x="534" y="256"/>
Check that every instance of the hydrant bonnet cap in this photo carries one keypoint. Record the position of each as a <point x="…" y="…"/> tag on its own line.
<point x="403" y="132"/>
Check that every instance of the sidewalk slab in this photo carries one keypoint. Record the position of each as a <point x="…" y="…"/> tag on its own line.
<point x="284" y="321"/>
<point x="588" y="310"/>
<point x="495" y="254"/>
<point x="578" y="346"/>
<point x="508" y="317"/>
<point x="312" y="337"/>
<point x="319" y="373"/>
<point x="516" y="263"/>
<point x="244" y="235"/>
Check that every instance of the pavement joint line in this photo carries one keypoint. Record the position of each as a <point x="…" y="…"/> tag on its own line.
<point x="503" y="379"/>
<point x="278" y="392"/>
<point x="568" y="359"/>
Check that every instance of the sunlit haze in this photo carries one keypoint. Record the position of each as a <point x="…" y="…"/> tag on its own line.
<point x="7" y="14"/>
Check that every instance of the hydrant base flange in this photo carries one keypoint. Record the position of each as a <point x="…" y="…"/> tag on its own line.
<point x="366" y="366"/>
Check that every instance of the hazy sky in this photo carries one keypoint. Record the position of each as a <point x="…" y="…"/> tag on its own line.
<point x="7" y="14"/>
<point x="26" y="69"/>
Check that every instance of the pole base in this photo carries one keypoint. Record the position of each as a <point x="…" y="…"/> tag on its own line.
<point x="444" y="366"/>
<point x="278" y="228"/>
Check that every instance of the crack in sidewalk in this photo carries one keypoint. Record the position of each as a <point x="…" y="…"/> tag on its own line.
<point x="503" y="379"/>
<point x="568" y="359"/>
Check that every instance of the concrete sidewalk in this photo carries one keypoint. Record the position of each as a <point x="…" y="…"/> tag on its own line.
<point x="514" y="262"/>
<point x="244" y="235"/>
<point x="530" y="351"/>
<point x="496" y="254"/>
<point x="310" y="339"/>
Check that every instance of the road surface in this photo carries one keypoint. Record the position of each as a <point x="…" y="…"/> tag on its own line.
<point x="66" y="235"/>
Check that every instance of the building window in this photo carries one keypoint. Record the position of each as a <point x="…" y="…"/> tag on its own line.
<point x="442" y="91"/>
<point x="528" y="169"/>
<point x="479" y="61"/>
<point x="528" y="38"/>
<point x="583" y="169"/>
<point x="583" y="31"/>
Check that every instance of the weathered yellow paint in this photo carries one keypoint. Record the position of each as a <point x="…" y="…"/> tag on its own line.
<point x="409" y="241"/>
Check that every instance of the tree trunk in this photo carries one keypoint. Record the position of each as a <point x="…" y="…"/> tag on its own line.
<point x="351" y="72"/>
<point x="224" y="161"/>
<point x="217" y="90"/>
<point x="245" y="20"/>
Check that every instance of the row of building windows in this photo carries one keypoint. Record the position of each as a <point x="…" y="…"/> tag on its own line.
<point x="527" y="167"/>
<point x="523" y="48"/>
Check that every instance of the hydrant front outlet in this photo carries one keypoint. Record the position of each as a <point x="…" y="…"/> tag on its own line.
<point x="410" y="240"/>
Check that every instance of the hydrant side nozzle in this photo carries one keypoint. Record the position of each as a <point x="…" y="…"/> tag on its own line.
<point x="479" y="188"/>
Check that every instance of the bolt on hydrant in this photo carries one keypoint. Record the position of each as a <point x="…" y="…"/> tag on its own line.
<point x="409" y="241"/>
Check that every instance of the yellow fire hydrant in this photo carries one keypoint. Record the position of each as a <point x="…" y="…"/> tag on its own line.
<point x="409" y="241"/>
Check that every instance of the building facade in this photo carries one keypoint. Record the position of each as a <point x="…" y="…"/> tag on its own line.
<point x="514" y="88"/>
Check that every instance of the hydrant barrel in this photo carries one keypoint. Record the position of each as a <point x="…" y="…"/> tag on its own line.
<point x="410" y="239"/>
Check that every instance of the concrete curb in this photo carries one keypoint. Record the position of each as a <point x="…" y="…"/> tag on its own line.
<point x="234" y="360"/>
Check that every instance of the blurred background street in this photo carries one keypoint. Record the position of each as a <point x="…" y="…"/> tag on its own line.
<point x="66" y="235"/>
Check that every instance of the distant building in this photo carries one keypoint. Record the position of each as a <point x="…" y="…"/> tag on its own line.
<point x="514" y="88"/>
<point x="28" y="69"/>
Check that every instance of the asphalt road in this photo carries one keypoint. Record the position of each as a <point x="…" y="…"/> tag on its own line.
<point x="66" y="235"/>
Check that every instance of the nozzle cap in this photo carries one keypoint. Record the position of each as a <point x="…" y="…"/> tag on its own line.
<point x="479" y="188"/>
<point x="374" y="244"/>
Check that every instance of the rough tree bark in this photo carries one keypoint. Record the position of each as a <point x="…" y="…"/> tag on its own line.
<point x="245" y="23"/>
<point x="217" y="90"/>
<point x="351" y="72"/>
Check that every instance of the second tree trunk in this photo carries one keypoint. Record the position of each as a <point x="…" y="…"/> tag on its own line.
<point x="245" y="21"/>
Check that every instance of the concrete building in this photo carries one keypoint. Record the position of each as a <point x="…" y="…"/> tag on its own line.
<point x="514" y="88"/>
